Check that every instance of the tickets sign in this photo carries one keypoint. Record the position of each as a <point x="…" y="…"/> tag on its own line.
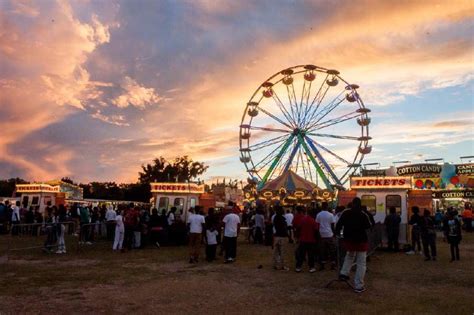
<point x="36" y="188"/>
<point x="393" y="182"/>
<point x="182" y="188"/>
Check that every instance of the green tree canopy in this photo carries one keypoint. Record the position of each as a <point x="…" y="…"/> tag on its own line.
<point x="181" y="169"/>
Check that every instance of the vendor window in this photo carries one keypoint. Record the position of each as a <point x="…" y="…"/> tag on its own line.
<point x="370" y="202"/>
<point x="35" y="201"/>
<point x="179" y="204"/>
<point x="393" y="201"/>
<point x="163" y="203"/>
<point x="25" y="201"/>
<point x="192" y="202"/>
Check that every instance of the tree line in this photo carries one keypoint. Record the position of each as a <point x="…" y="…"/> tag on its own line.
<point x="180" y="169"/>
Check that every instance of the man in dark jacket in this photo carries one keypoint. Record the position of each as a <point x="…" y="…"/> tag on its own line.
<point x="392" y="225"/>
<point x="428" y="235"/>
<point x="355" y="223"/>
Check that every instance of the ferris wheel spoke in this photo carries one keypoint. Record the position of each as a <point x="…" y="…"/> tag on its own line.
<point x="336" y="120"/>
<point x="326" y="111"/>
<point x="276" y="160"/>
<point x="269" y="129"/>
<point x="315" y="163"/>
<point x="323" y="161"/>
<point x="290" y="100"/>
<point x="283" y="109"/>
<point x="308" y="163"/>
<point x="333" y="136"/>
<point x="296" y="146"/>
<point x="268" y="158"/>
<point x="267" y="143"/>
<point x="275" y="118"/>
<point x="309" y="106"/>
<point x="329" y="151"/>
<point x="314" y="114"/>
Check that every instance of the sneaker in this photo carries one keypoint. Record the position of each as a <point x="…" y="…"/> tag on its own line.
<point x="312" y="270"/>
<point x="88" y="243"/>
<point x="285" y="269"/>
<point x="59" y="252"/>
<point x="411" y="252"/>
<point x="298" y="269"/>
<point x="157" y="244"/>
<point x="359" y="290"/>
<point x="420" y="253"/>
<point x="343" y="277"/>
<point x="64" y="252"/>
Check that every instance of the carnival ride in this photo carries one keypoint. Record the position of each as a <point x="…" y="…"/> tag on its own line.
<point x="289" y="120"/>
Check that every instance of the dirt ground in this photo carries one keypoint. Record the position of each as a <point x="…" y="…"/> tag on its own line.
<point x="94" y="279"/>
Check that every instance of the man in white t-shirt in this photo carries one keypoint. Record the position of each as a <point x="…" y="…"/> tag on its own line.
<point x="196" y="223"/>
<point x="231" y="231"/>
<point x="326" y="222"/>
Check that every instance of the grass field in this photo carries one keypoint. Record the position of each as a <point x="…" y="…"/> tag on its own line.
<point x="94" y="279"/>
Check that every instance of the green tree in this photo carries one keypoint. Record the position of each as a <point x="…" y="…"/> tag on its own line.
<point x="7" y="186"/>
<point x="181" y="169"/>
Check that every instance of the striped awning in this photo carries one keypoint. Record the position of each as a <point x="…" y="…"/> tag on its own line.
<point x="291" y="182"/>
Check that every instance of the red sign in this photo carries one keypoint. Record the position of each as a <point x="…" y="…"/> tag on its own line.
<point x="380" y="182"/>
<point x="190" y="188"/>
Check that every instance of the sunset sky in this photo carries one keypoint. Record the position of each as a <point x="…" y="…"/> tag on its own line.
<point x="93" y="89"/>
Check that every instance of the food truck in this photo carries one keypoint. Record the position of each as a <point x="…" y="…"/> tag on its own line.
<point x="379" y="194"/>
<point x="428" y="186"/>
<point x="53" y="192"/>
<point x="180" y="195"/>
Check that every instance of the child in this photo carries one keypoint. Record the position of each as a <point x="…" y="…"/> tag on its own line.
<point x="211" y="246"/>
<point x="119" y="232"/>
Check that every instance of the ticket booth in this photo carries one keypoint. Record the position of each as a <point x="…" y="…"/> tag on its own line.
<point x="38" y="195"/>
<point x="180" y="195"/>
<point x="379" y="194"/>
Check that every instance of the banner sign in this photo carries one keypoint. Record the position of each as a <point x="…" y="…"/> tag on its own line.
<point x="190" y="188"/>
<point x="36" y="188"/>
<point x="465" y="169"/>
<point x="381" y="182"/>
<point x="419" y="168"/>
<point x="373" y="173"/>
<point x="466" y="194"/>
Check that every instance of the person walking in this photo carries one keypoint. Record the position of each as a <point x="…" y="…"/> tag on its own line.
<point x="355" y="224"/>
<point x="428" y="236"/>
<point x="392" y="226"/>
<point x="119" y="232"/>
<point x="452" y="233"/>
<point x="305" y="234"/>
<point x="110" y="216"/>
<point x="259" y="226"/>
<point x="326" y="221"/>
<point x="196" y="226"/>
<point x="289" y="223"/>
<point x="415" y="222"/>
<point x="280" y="234"/>
<point x="61" y="229"/>
<point x="15" y="218"/>
<point x="231" y="231"/>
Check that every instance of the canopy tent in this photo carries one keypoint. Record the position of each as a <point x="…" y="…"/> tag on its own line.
<point x="291" y="182"/>
<point x="289" y="187"/>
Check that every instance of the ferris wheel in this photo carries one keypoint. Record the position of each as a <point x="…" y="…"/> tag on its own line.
<point x="306" y="119"/>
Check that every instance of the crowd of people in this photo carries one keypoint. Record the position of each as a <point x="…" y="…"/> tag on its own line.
<point x="318" y="231"/>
